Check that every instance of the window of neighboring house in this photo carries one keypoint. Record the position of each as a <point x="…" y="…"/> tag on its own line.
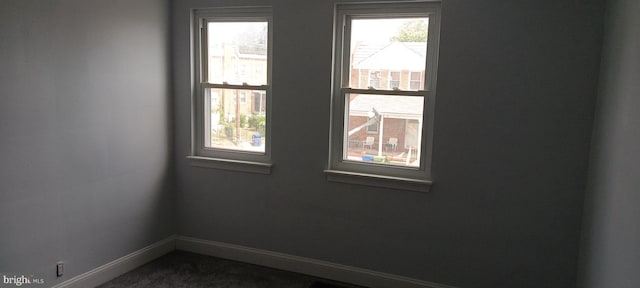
<point x="227" y="41"/>
<point x="401" y="38"/>
<point x="260" y="68"/>
<point x="259" y="102"/>
<point x="243" y="97"/>
<point x="374" y="79"/>
<point x="242" y="70"/>
<point x="394" y="80"/>
<point x="373" y="128"/>
<point x="416" y="80"/>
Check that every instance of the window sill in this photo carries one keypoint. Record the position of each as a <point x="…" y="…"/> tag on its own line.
<point x="229" y="164"/>
<point x="379" y="180"/>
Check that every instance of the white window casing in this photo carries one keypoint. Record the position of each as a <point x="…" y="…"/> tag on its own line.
<point x="340" y="167"/>
<point x="203" y="155"/>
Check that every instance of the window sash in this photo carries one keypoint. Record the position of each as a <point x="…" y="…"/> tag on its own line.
<point x="200" y="48"/>
<point x="345" y="130"/>
<point x="345" y="13"/>
<point x="205" y="131"/>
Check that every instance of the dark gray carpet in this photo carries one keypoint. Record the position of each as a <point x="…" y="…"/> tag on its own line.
<point x="183" y="269"/>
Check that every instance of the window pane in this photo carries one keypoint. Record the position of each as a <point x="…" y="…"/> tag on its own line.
<point x="397" y="121"/>
<point x="237" y="52"/>
<point x="384" y="45"/>
<point x="394" y="81"/>
<point x="233" y="124"/>
<point x="374" y="79"/>
<point x="415" y="81"/>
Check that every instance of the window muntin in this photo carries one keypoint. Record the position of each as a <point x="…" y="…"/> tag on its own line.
<point x="232" y="51"/>
<point x="372" y="47"/>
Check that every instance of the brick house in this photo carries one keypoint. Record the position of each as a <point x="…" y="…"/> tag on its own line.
<point x="400" y="119"/>
<point x="387" y="66"/>
<point x="239" y="65"/>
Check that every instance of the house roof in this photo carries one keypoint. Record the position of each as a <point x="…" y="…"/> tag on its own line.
<point x="390" y="55"/>
<point x="403" y="107"/>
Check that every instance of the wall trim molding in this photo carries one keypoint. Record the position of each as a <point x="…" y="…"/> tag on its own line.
<point x="121" y="265"/>
<point x="303" y="265"/>
<point x="313" y="267"/>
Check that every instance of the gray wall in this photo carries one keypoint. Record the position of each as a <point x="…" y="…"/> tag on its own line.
<point x="85" y="133"/>
<point x="610" y="252"/>
<point x="516" y="92"/>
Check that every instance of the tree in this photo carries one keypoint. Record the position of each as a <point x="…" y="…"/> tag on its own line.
<point x="411" y="31"/>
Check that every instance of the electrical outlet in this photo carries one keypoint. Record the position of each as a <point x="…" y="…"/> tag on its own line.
<point x="59" y="268"/>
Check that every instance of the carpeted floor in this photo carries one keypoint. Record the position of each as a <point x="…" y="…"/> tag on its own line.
<point x="183" y="269"/>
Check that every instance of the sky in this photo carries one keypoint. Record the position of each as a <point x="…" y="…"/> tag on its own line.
<point x="220" y="32"/>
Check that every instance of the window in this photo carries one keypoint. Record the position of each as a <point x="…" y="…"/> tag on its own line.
<point x="416" y="81"/>
<point x="228" y="44"/>
<point x="259" y="102"/>
<point x="394" y="80"/>
<point x="379" y="132"/>
<point x="373" y="128"/>
<point x="374" y="79"/>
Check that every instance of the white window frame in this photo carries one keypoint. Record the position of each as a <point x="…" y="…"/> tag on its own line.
<point x="365" y="173"/>
<point x="391" y="79"/>
<point x="228" y="159"/>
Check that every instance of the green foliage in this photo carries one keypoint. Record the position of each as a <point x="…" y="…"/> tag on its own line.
<point x="229" y="130"/>
<point x="256" y="120"/>
<point x="411" y="31"/>
<point x="261" y="127"/>
<point x="221" y="109"/>
<point x="381" y="159"/>
<point x="243" y="120"/>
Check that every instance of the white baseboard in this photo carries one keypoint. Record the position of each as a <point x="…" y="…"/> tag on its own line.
<point x="317" y="268"/>
<point x="120" y="266"/>
<point x="302" y="265"/>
